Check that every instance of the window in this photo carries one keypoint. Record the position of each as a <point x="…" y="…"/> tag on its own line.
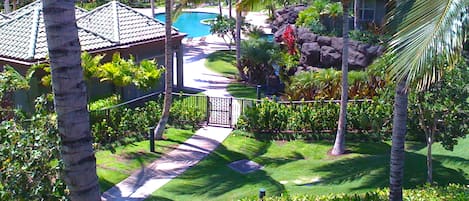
<point x="367" y="10"/>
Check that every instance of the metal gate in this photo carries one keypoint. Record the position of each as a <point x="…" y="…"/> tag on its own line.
<point x="220" y="111"/>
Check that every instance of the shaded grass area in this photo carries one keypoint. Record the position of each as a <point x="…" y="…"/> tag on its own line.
<point x="222" y="62"/>
<point x="299" y="167"/>
<point x="115" y="167"/>
<point x="240" y="90"/>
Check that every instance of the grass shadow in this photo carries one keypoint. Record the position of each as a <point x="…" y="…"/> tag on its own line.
<point x="222" y="179"/>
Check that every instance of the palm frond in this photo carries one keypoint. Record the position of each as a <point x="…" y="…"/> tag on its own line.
<point x="428" y="39"/>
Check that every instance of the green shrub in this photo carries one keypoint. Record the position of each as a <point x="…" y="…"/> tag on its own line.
<point x="452" y="192"/>
<point x="314" y="119"/>
<point x="122" y="125"/>
<point x="28" y="149"/>
<point x="104" y="103"/>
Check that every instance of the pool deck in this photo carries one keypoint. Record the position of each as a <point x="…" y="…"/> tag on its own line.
<point x="196" y="75"/>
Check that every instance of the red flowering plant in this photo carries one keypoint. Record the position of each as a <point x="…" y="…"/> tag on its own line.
<point x="289" y="39"/>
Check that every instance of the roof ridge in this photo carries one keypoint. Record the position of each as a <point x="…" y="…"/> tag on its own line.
<point x="115" y="14"/>
<point x="34" y="32"/>
<point x="24" y="8"/>
<point x="143" y="15"/>
<point x="95" y="10"/>
<point x="11" y="19"/>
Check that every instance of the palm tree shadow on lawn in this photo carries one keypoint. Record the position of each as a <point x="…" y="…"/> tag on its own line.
<point x="372" y="169"/>
<point x="212" y="177"/>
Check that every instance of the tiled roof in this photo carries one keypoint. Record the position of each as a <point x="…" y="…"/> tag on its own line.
<point x="24" y="37"/>
<point x="3" y="18"/>
<point x="122" y="24"/>
<point x="25" y="9"/>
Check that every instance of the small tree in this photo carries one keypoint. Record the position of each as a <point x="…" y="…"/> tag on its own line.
<point x="443" y="112"/>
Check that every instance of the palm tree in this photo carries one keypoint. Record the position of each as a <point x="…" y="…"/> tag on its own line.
<point x="158" y="133"/>
<point x="356" y="13"/>
<point x="70" y="100"/>
<point x="242" y="5"/>
<point x="6" y="6"/>
<point x="152" y="7"/>
<point x="429" y="36"/>
<point x="339" y="144"/>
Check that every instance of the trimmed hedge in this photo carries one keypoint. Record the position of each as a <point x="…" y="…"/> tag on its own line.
<point x="124" y="125"/>
<point x="318" y="119"/>
<point x="452" y="192"/>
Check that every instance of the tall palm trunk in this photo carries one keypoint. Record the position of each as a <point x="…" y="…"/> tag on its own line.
<point x="169" y="73"/>
<point x="230" y="7"/>
<point x="220" y="7"/>
<point x="399" y="129"/>
<point x="70" y="100"/>
<point x="356" y="15"/>
<point x="6" y="6"/>
<point x="239" y="18"/>
<point x="339" y="144"/>
<point x="152" y="6"/>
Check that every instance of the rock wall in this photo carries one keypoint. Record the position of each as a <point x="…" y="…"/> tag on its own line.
<point x="323" y="51"/>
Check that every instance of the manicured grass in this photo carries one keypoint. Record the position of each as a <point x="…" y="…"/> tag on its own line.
<point x="240" y="90"/>
<point x="115" y="167"/>
<point x="222" y="62"/>
<point x="294" y="167"/>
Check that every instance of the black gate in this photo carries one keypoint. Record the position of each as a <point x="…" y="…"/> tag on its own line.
<point x="220" y="111"/>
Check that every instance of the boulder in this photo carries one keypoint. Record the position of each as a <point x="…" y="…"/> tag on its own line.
<point x="330" y="57"/>
<point x="357" y="60"/>
<point x="310" y="54"/>
<point x="337" y="43"/>
<point x="306" y="37"/>
<point x="324" y="41"/>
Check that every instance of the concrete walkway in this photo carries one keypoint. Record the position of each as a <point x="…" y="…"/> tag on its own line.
<point x="144" y="182"/>
<point x="141" y="184"/>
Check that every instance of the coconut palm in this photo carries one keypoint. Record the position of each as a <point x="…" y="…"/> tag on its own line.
<point x="241" y="6"/>
<point x="339" y="144"/>
<point x="158" y="133"/>
<point x="70" y="100"/>
<point x="356" y="12"/>
<point x="429" y="37"/>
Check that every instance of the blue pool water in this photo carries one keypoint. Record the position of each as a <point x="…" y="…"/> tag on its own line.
<point x="189" y="22"/>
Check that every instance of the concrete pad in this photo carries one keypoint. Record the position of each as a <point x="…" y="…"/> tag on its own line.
<point x="244" y="166"/>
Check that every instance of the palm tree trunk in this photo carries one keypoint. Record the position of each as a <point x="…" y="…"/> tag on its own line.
<point x="6" y="6"/>
<point x="230" y="6"/>
<point x="70" y="100"/>
<point x="399" y="129"/>
<point x="152" y="5"/>
<point x="356" y="17"/>
<point x="339" y="144"/>
<point x="168" y="75"/>
<point x="220" y="7"/>
<point x="239" y="18"/>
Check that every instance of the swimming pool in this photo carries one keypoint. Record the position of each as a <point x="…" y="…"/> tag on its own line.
<point x="189" y="22"/>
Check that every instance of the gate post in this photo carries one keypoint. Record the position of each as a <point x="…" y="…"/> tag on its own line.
<point x="230" y="115"/>
<point x="207" y="108"/>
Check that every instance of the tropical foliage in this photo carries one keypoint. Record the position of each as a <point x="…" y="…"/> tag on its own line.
<point x="313" y="16"/>
<point x="29" y="151"/>
<point x="452" y="192"/>
<point x="258" y="55"/>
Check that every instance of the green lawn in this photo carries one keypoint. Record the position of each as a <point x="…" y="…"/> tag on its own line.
<point x="114" y="167"/>
<point x="293" y="167"/>
<point x="222" y="62"/>
<point x="240" y="90"/>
